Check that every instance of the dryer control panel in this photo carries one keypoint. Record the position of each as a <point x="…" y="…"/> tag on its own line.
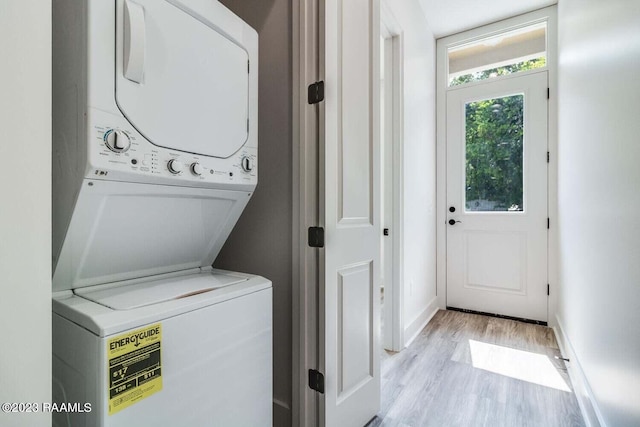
<point x="118" y="152"/>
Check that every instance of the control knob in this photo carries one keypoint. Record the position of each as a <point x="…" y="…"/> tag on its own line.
<point x="117" y="141"/>
<point x="175" y="166"/>
<point x="196" y="168"/>
<point x="247" y="164"/>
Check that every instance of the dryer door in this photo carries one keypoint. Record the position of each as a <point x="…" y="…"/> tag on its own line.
<point x="181" y="80"/>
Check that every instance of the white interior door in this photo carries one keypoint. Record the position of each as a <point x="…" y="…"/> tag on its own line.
<point x="497" y="197"/>
<point x="350" y="206"/>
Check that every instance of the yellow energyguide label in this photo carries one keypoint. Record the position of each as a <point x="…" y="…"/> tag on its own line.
<point x="134" y="366"/>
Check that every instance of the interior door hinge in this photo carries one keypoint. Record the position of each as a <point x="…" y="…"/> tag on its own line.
<point x="548" y="93"/>
<point x="316" y="381"/>
<point x="548" y="289"/>
<point x="315" y="92"/>
<point x="316" y="237"/>
<point x="548" y="157"/>
<point x="548" y="223"/>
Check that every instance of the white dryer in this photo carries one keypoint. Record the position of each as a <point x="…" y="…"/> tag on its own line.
<point x="155" y="157"/>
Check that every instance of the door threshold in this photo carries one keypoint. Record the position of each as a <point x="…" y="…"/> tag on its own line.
<point x="500" y="316"/>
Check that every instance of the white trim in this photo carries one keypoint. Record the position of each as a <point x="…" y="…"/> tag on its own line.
<point x="305" y="66"/>
<point x="552" y="167"/>
<point x="588" y="406"/>
<point x="499" y="27"/>
<point x="418" y="324"/>
<point x="390" y="28"/>
<point x="441" y="173"/>
<point x="398" y="186"/>
<point x="548" y="14"/>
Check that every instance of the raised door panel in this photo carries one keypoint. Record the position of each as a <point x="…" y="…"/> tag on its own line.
<point x="354" y="117"/>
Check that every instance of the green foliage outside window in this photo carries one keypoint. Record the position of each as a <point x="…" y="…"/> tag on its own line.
<point x="494" y="154"/>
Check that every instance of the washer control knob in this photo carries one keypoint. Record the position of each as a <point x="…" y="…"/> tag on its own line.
<point x="175" y="166"/>
<point x="196" y="168"/>
<point x="117" y="141"/>
<point x="247" y="164"/>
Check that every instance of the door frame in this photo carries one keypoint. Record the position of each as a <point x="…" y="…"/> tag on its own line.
<point x="306" y="210"/>
<point x="548" y="14"/>
<point x="390" y="29"/>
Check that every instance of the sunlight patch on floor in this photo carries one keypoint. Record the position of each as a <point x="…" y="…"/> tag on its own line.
<point x="522" y="365"/>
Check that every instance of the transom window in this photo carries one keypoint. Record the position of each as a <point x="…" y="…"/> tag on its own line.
<point x="510" y="52"/>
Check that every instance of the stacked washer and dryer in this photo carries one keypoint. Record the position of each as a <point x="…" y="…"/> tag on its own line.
<point x="155" y="158"/>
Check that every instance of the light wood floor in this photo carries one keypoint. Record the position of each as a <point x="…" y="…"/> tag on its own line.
<point x="433" y="382"/>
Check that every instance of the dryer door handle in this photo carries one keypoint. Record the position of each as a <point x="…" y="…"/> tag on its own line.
<point x="134" y="41"/>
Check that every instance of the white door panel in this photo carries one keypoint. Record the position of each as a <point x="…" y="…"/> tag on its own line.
<point x="181" y="82"/>
<point x="497" y="187"/>
<point x="349" y="324"/>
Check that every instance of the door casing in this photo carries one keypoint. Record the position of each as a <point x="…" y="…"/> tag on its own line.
<point x="548" y="14"/>
<point x="391" y="31"/>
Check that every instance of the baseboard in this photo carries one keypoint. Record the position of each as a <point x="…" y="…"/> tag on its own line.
<point x="584" y="395"/>
<point x="281" y="414"/>
<point x="414" y="328"/>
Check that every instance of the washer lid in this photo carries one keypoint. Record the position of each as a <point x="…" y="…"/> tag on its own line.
<point x="130" y="296"/>
<point x="181" y="80"/>
<point x="104" y="321"/>
<point x="121" y="231"/>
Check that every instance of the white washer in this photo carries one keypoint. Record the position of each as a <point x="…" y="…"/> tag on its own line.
<point x="155" y="157"/>
<point x="212" y="360"/>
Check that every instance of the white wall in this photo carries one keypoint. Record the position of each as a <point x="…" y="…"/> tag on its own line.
<point x="419" y="267"/>
<point x="599" y="200"/>
<point x="25" y="209"/>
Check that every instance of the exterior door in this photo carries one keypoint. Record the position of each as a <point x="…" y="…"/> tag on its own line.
<point x="497" y="197"/>
<point x="350" y="211"/>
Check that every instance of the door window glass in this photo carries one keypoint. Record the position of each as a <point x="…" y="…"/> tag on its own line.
<point x="493" y="154"/>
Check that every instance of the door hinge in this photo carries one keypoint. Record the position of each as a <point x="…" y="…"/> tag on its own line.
<point x="548" y="223"/>
<point x="548" y="157"/>
<point x="248" y="67"/>
<point x="548" y="93"/>
<point x="548" y="289"/>
<point x="315" y="92"/>
<point x="247" y="125"/>
<point x="316" y="237"/>
<point x="316" y="381"/>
